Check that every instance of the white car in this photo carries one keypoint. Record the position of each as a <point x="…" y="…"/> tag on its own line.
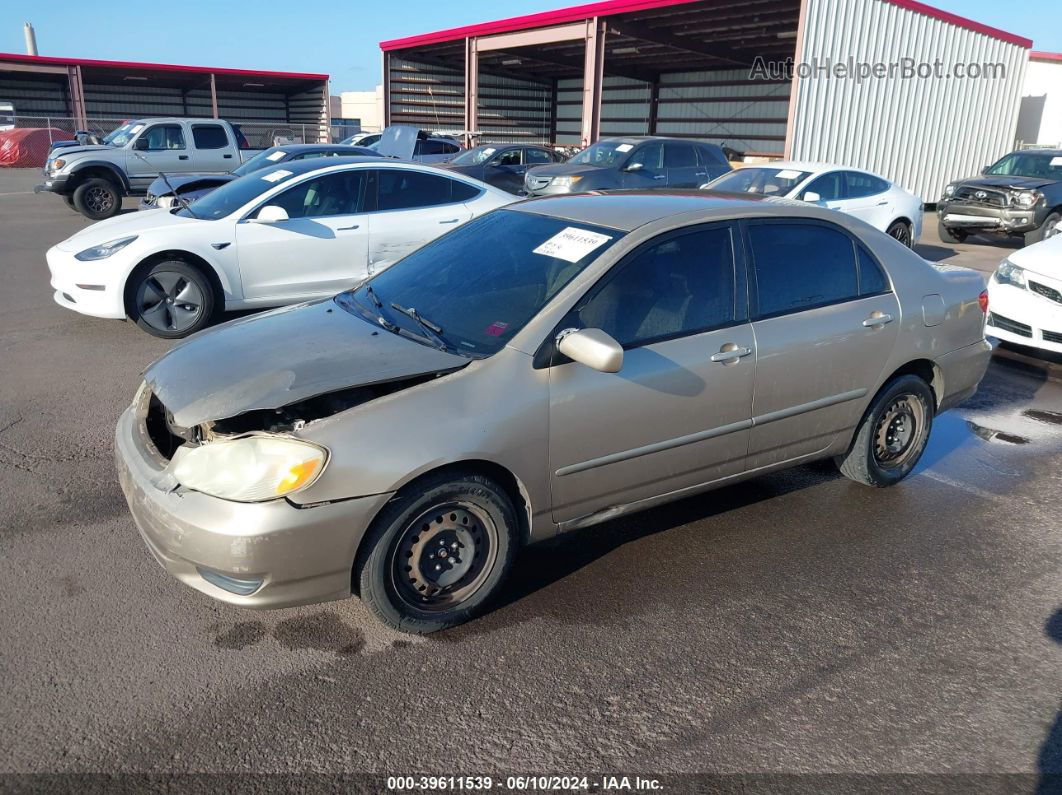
<point x="302" y="230"/>
<point x="874" y="199"/>
<point x="1025" y="297"/>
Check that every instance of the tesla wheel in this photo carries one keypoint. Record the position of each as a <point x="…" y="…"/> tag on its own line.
<point x="1051" y="226"/>
<point x="901" y="230"/>
<point x="438" y="552"/>
<point x="893" y="434"/>
<point x="171" y="299"/>
<point x="97" y="199"/>
<point x="950" y="235"/>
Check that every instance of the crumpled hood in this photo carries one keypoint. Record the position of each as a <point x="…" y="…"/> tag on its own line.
<point x="1017" y="183"/>
<point x="123" y="226"/>
<point x="565" y="170"/>
<point x="281" y="357"/>
<point x="178" y="181"/>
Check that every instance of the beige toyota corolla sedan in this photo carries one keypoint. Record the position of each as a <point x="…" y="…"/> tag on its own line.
<point x="544" y="367"/>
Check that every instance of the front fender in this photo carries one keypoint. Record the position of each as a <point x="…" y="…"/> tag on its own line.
<point x="80" y="166"/>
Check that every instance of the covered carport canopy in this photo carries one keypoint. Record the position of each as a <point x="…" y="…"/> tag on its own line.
<point x="622" y="56"/>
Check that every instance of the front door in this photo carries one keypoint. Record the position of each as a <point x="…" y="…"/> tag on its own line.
<point x="825" y="320"/>
<point x="159" y="148"/>
<point x="678" y="412"/>
<point x="507" y="170"/>
<point x="645" y="168"/>
<point x="412" y="208"/>
<point x="321" y="250"/>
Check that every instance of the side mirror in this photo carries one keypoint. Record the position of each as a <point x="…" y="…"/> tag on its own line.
<point x="141" y="143"/>
<point x="593" y="348"/>
<point x="812" y="196"/>
<point x="270" y="214"/>
<point x="634" y="167"/>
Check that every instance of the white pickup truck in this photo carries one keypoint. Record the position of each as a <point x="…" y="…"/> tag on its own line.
<point x="93" y="179"/>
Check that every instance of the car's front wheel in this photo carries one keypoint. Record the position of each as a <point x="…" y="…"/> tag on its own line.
<point x="170" y="299"/>
<point x="97" y="199"/>
<point x="438" y="552"/>
<point x="892" y="435"/>
<point x="1051" y="226"/>
<point x="950" y="235"/>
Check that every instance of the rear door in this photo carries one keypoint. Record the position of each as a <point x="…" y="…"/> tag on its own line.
<point x="683" y="168"/>
<point x="679" y="411"/>
<point x="411" y="208"/>
<point x="213" y="152"/>
<point x="825" y="321"/>
<point x="322" y="248"/>
<point x="868" y="199"/>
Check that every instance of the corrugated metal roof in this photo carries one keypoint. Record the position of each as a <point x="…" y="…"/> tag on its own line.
<point x="157" y="67"/>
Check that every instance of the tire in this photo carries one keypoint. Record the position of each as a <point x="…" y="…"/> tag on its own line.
<point x="428" y="526"/>
<point x="69" y="199"/>
<point x="892" y="435"/>
<point x="97" y="199"/>
<point x="1051" y="226"/>
<point x="170" y="299"/>
<point x="950" y="235"/>
<point x="901" y="230"/>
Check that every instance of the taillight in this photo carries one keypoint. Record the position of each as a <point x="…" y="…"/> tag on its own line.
<point x="982" y="301"/>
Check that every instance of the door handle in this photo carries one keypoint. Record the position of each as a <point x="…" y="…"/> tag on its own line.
<point x="877" y="320"/>
<point x="227" y="157"/>
<point x="700" y="173"/>
<point x="883" y="202"/>
<point x="660" y="176"/>
<point x="345" y="228"/>
<point x="182" y="157"/>
<point x="730" y="354"/>
<point x="451" y="221"/>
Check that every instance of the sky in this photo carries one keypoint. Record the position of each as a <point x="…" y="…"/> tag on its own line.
<point x="340" y="39"/>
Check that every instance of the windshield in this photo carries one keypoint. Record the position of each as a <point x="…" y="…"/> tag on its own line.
<point x="480" y="284"/>
<point x="230" y="197"/>
<point x="473" y="157"/>
<point x="604" y="153"/>
<point x="123" y="134"/>
<point x="261" y="160"/>
<point x="1028" y="164"/>
<point x="768" y="181"/>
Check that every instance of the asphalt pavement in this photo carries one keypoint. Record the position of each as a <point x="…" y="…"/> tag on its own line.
<point x="798" y="623"/>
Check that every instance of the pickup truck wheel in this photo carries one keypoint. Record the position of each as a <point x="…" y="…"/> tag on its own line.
<point x="171" y="299"/>
<point x="902" y="232"/>
<point x="69" y="199"/>
<point x="950" y="235"/>
<point x="437" y="553"/>
<point x="97" y="199"/>
<point x="892" y="435"/>
<point x="1051" y="226"/>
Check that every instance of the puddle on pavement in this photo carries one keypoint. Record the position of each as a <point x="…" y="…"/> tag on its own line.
<point x="1049" y="417"/>
<point x="992" y="435"/>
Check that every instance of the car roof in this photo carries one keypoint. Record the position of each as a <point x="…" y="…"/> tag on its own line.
<point x="628" y="210"/>
<point x="637" y="139"/>
<point x="299" y="167"/>
<point x="299" y="148"/>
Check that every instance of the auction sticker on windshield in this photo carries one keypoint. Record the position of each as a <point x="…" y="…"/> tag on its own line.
<point x="275" y="156"/>
<point x="276" y="176"/>
<point x="787" y="174"/>
<point x="572" y="244"/>
<point x="624" y="147"/>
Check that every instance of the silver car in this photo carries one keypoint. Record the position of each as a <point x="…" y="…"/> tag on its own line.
<point x="544" y="367"/>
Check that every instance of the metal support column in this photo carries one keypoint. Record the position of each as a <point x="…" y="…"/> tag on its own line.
<point x="213" y="95"/>
<point x="386" y="121"/>
<point x="654" y="102"/>
<point x="553" y="114"/>
<point x="76" y="87"/>
<point x="471" y="90"/>
<point x="593" y="75"/>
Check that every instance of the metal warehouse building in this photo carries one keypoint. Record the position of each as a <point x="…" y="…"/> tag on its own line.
<point x="690" y="68"/>
<point x="68" y="94"/>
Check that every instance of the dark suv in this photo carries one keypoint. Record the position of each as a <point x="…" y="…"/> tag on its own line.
<point x="1019" y="196"/>
<point x="630" y="163"/>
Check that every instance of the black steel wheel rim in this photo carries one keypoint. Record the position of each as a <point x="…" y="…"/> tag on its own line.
<point x="443" y="556"/>
<point x="169" y="301"/>
<point x="898" y="431"/>
<point x="99" y="200"/>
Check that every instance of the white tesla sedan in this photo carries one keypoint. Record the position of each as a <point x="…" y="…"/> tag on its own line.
<point x="303" y="230"/>
<point x="874" y="199"/>
<point x="1025" y="297"/>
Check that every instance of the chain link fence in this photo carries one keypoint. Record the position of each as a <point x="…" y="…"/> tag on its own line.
<point x="26" y="140"/>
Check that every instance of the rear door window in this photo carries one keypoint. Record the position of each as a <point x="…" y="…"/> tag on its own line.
<point x="209" y="136"/>
<point x="536" y="156"/>
<point x="860" y="185"/>
<point x="402" y="189"/>
<point x="800" y="265"/>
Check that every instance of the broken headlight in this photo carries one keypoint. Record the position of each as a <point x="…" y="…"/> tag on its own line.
<point x="249" y="469"/>
<point x="104" y="250"/>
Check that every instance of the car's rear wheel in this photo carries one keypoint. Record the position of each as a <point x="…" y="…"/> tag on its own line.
<point x="950" y="235"/>
<point x="892" y="435"/>
<point x="97" y="199"/>
<point x="1051" y="226"/>
<point x="171" y="299"/>
<point x="438" y="552"/>
<point x="901" y="230"/>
